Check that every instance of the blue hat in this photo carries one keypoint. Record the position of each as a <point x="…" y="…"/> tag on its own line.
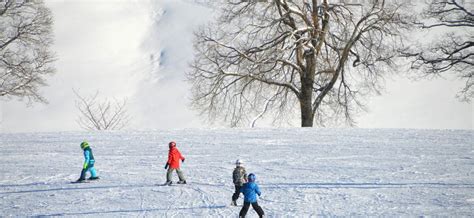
<point x="252" y="177"/>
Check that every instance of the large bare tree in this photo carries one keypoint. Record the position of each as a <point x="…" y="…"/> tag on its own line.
<point x="25" y="56"/>
<point x="454" y="50"/>
<point x="271" y="57"/>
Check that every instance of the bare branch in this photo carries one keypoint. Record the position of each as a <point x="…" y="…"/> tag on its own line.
<point x="103" y="115"/>
<point x="25" y="56"/>
<point x="454" y="51"/>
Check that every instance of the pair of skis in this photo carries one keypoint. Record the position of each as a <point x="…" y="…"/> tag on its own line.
<point x="171" y="183"/>
<point x="85" y="180"/>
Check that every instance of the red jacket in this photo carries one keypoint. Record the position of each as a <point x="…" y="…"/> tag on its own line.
<point x="174" y="157"/>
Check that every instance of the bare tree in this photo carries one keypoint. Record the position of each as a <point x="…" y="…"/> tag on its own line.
<point x="272" y="57"/>
<point x="25" y="40"/>
<point x="101" y="115"/>
<point x="454" y="50"/>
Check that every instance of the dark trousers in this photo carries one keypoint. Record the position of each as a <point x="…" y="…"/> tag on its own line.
<point x="255" y="206"/>
<point x="84" y="171"/>
<point x="236" y="194"/>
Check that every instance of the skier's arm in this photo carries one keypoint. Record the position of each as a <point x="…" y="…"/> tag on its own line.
<point x="87" y="157"/>
<point x="169" y="160"/>
<point x="235" y="176"/>
<point x="245" y="176"/>
<point x="257" y="190"/>
<point x="181" y="157"/>
<point x="170" y="156"/>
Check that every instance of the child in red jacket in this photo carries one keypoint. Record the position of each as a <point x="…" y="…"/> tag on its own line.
<point x="174" y="156"/>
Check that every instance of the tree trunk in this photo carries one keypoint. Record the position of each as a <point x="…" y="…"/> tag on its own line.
<point x="306" y="113"/>
<point x="306" y="97"/>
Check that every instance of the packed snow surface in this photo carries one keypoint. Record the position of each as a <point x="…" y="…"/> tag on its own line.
<point x="301" y="172"/>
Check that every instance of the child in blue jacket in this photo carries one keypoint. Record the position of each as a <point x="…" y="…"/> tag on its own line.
<point x="250" y="191"/>
<point x="88" y="163"/>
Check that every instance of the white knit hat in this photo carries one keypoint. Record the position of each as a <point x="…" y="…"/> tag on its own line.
<point x="238" y="162"/>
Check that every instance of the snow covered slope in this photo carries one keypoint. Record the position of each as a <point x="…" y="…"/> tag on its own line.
<point x="301" y="172"/>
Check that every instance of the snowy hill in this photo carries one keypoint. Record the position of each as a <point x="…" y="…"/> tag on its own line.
<point x="140" y="50"/>
<point x="301" y="172"/>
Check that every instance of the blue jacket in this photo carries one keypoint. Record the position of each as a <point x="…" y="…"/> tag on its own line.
<point x="88" y="158"/>
<point x="250" y="191"/>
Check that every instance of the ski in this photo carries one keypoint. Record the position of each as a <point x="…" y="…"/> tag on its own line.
<point x="164" y="184"/>
<point x="82" y="181"/>
<point x="171" y="183"/>
<point x="86" y="180"/>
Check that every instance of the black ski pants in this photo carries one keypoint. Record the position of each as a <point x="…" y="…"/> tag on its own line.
<point x="255" y="206"/>
<point x="236" y="194"/>
<point x="84" y="171"/>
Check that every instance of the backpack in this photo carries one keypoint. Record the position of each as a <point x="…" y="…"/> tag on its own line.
<point x="239" y="176"/>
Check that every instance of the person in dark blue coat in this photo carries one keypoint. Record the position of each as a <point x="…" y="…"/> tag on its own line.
<point x="88" y="163"/>
<point x="250" y="191"/>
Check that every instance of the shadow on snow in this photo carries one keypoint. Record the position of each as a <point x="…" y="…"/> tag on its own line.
<point x="263" y="185"/>
<point x="365" y="185"/>
<point x="74" y="187"/>
<point x="131" y="211"/>
<point x="23" y="185"/>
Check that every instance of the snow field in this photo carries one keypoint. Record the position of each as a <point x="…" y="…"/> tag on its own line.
<point x="301" y="172"/>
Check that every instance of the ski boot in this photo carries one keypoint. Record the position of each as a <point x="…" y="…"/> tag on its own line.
<point x="80" y="180"/>
<point x="93" y="178"/>
<point x="168" y="183"/>
<point x="182" y="182"/>
<point x="233" y="203"/>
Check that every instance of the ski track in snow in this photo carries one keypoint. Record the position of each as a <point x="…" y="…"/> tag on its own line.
<point x="301" y="172"/>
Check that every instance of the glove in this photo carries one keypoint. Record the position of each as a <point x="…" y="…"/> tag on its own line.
<point x="85" y="166"/>
<point x="182" y="161"/>
<point x="166" y="166"/>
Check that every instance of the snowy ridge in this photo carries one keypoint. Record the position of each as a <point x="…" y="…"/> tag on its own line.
<point x="168" y="48"/>
<point x="301" y="172"/>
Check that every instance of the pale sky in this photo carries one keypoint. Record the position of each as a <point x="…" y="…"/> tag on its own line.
<point x="140" y="50"/>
